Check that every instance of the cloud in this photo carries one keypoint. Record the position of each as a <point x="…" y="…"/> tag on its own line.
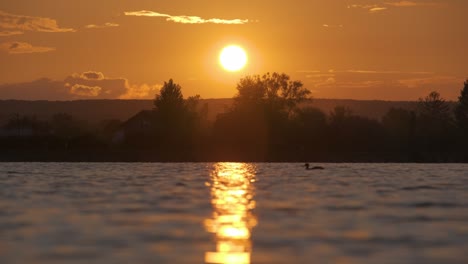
<point x="410" y="4"/>
<point x="370" y="8"/>
<point x="87" y="91"/>
<point x="395" y="4"/>
<point x="309" y="71"/>
<point x="23" y="48"/>
<point x="375" y="84"/>
<point x="386" y="72"/>
<point x="188" y="19"/>
<point x="97" y="85"/>
<point x="18" y="24"/>
<point x="109" y="87"/>
<point x="331" y="72"/>
<point x="41" y="89"/>
<point x="319" y="75"/>
<point x="10" y="33"/>
<point x="332" y="26"/>
<point x="105" y="25"/>
<point x="377" y="9"/>
<point x="91" y="75"/>
<point x="141" y="91"/>
<point x="86" y="85"/>
<point x="430" y="81"/>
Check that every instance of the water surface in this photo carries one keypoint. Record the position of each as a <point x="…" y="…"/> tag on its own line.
<point x="233" y="213"/>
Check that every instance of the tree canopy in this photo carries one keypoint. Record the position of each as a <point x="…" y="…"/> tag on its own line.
<point x="461" y="110"/>
<point x="266" y="123"/>
<point x="434" y="106"/>
<point x="170" y="98"/>
<point x="275" y="90"/>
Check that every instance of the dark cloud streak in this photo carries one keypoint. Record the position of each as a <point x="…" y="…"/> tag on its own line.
<point x="11" y="24"/>
<point x="23" y="48"/>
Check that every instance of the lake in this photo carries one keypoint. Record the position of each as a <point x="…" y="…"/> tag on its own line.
<point x="233" y="213"/>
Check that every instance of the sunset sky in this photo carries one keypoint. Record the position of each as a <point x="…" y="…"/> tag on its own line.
<point x="358" y="49"/>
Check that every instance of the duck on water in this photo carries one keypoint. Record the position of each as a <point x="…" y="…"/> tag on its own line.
<point x="307" y="166"/>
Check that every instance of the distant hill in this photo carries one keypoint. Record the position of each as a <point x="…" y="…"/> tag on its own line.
<point x="374" y="109"/>
<point x="98" y="110"/>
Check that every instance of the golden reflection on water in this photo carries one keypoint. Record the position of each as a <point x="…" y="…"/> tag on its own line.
<point x="232" y="197"/>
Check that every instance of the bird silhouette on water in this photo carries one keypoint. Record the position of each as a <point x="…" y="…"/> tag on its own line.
<point x="307" y="166"/>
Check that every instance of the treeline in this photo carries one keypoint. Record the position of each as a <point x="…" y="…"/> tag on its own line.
<point x="265" y="123"/>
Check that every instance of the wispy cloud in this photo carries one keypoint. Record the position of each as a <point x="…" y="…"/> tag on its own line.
<point x="188" y="19"/>
<point x="375" y="8"/>
<point x="430" y="81"/>
<point x="105" y="25"/>
<point x="332" y="26"/>
<point x="332" y="71"/>
<point x="22" y="48"/>
<point x="387" y="72"/>
<point x="309" y="71"/>
<point x="373" y="84"/>
<point x="370" y="8"/>
<point x="10" y="33"/>
<point x="11" y="24"/>
<point x="410" y="3"/>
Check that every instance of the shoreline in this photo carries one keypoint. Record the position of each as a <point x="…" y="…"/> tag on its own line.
<point x="132" y="156"/>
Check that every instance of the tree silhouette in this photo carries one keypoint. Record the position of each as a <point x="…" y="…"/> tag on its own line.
<point x="399" y="125"/>
<point x="309" y="129"/>
<point x="275" y="91"/>
<point x="350" y="132"/>
<point x="461" y="110"/>
<point x="434" y="106"/>
<point x="435" y="129"/>
<point x="266" y="123"/>
<point x="64" y="125"/>
<point x="26" y="125"/>
<point x="170" y="99"/>
<point x="339" y="114"/>
<point x="263" y="105"/>
<point x="175" y="118"/>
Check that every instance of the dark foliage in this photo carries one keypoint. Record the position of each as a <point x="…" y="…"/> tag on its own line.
<point x="265" y="123"/>
<point x="461" y="110"/>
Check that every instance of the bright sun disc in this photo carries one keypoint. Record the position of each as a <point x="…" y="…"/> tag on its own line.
<point x="233" y="58"/>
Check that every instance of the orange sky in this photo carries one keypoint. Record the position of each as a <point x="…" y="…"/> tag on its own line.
<point x="359" y="49"/>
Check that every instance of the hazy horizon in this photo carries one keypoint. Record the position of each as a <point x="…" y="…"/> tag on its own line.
<point x="203" y="99"/>
<point x="356" y="49"/>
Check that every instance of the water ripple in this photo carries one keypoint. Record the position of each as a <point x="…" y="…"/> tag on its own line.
<point x="278" y="213"/>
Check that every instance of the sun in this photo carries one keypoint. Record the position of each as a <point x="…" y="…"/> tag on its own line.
<point x="233" y="58"/>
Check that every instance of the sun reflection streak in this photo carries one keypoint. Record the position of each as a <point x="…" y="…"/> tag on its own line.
<point x="232" y="194"/>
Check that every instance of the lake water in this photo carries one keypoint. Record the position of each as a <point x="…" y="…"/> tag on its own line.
<point x="233" y="213"/>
